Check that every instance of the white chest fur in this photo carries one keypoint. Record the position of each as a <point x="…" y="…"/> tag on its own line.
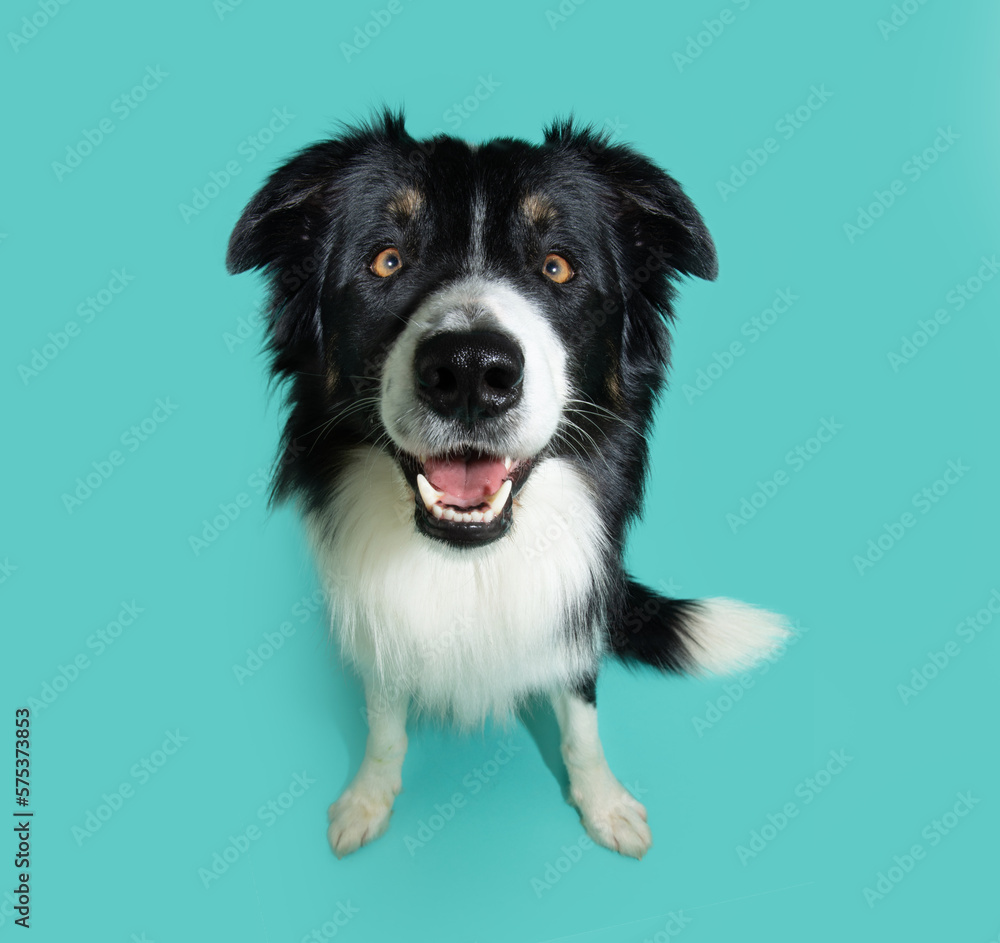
<point x="466" y="632"/>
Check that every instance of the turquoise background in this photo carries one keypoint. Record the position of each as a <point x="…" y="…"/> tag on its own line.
<point x="173" y="334"/>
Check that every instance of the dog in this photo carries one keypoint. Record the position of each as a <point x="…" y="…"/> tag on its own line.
<point x="473" y="339"/>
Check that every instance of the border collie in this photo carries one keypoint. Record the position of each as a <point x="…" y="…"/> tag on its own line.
<point x="473" y="339"/>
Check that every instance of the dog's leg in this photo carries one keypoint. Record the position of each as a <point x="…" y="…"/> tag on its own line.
<point x="611" y="816"/>
<point x="362" y="812"/>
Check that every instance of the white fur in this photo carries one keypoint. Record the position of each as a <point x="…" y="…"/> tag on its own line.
<point x="362" y="812"/>
<point x="610" y="814"/>
<point x="464" y="631"/>
<point x="476" y="256"/>
<point x="728" y="635"/>
<point x="478" y="304"/>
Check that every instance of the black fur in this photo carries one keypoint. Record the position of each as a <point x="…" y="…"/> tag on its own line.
<point x="651" y="629"/>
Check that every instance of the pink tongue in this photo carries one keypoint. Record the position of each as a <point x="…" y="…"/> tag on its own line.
<point x="465" y="484"/>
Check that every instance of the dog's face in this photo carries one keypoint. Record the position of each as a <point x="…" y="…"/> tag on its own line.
<point x="472" y="311"/>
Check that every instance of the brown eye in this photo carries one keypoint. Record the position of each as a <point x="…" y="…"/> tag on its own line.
<point x="387" y="263"/>
<point x="557" y="268"/>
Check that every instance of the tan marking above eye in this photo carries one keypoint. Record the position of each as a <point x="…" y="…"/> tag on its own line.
<point x="556" y="268"/>
<point x="406" y="203"/>
<point x="538" y="208"/>
<point x="387" y="262"/>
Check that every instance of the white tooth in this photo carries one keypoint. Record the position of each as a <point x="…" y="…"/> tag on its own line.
<point x="466" y="518"/>
<point x="499" y="500"/>
<point x="428" y="492"/>
<point x="507" y="462"/>
<point x="477" y="516"/>
<point x="449" y="514"/>
<point x="487" y="516"/>
<point x="437" y="511"/>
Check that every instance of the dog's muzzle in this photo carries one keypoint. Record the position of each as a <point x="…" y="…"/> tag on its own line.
<point x="466" y="496"/>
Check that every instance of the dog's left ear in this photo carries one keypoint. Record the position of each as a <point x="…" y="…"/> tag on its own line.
<point x="667" y="218"/>
<point x="658" y="213"/>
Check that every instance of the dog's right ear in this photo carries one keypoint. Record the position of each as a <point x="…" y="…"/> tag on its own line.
<point x="286" y="219"/>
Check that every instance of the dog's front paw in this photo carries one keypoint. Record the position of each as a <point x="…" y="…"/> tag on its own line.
<point x="614" y="819"/>
<point x="359" y="816"/>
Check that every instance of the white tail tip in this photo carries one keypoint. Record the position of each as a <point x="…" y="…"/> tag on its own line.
<point x="725" y="635"/>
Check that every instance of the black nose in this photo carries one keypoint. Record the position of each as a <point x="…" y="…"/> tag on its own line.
<point x="469" y="375"/>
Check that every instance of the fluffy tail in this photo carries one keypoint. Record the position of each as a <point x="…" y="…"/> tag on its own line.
<point x="694" y="635"/>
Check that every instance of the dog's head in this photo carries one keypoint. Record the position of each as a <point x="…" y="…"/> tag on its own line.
<point x="472" y="311"/>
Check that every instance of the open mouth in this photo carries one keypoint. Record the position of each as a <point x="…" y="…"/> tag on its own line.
<point x="464" y="497"/>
